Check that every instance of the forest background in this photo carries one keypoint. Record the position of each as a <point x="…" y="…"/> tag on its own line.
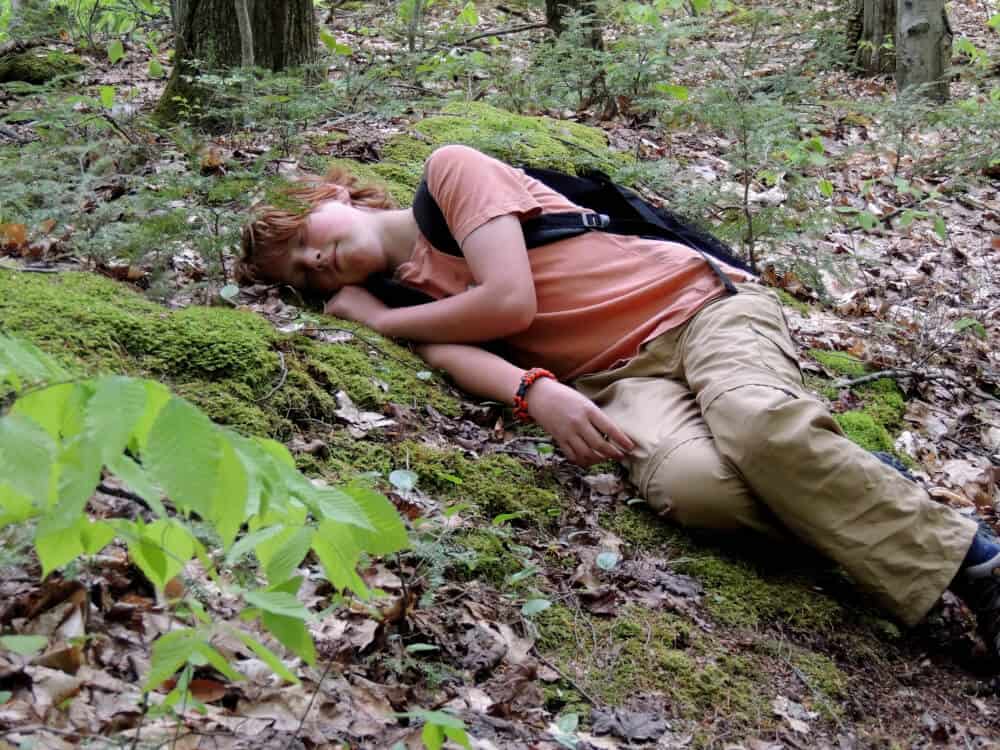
<point x="352" y="554"/>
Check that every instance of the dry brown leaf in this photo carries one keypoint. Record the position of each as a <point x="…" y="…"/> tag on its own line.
<point x="13" y="237"/>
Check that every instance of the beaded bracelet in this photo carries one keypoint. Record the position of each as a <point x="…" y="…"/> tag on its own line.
<point x="521" y="397"/>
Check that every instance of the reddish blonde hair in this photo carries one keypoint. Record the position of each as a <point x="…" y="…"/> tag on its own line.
<point x="271" y="231"/>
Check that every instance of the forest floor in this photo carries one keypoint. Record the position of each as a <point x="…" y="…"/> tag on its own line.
<point x="543" y="605"/>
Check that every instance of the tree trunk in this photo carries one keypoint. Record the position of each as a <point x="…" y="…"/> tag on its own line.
<point x="208" y="34"/>
<point x="871" y="27"/>
<point x="557" y="10"/>
<point x="924" y="38"/>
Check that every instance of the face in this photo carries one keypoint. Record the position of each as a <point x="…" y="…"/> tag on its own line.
<point x="340" y="246"/>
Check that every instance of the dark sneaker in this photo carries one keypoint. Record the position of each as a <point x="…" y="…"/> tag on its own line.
<point x="979" y="587"/>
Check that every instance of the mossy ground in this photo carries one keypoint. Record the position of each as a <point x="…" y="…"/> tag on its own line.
<point x="534" y="141"/>
<point x="489" y="485"/>
<point x="643" y="653"/>
<point x="746" y="586"/>
<point x="881" y="415"/>
<point x="229" y="362"/>
<point x="39" y="66"/>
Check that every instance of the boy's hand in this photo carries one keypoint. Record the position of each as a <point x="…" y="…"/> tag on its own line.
<point x="358" y="304"/>
<point x="584" y="433"/>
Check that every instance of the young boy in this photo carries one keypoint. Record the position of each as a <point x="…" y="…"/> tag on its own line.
<point x="695" y="389"/>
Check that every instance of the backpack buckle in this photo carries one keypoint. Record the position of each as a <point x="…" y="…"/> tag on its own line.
<point x="596" y="221"/>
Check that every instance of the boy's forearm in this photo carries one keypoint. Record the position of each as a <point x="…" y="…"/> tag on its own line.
<point x="474" y="316"/>
<point x="475" y="370"/>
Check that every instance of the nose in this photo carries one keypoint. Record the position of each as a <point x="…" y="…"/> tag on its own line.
<point x="314" y="260"/>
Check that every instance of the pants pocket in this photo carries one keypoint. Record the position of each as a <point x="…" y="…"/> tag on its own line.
<point x="778" y="354"/>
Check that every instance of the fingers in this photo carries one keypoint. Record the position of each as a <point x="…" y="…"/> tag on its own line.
<point x="612" y="432"/>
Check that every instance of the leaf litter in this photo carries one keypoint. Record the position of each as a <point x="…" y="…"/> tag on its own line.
<point x="99" y="623"/>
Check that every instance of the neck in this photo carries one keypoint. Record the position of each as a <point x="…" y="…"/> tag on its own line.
<point x="398" y="232"/>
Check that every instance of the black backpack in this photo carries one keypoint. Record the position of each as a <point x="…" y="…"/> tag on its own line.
<point x="617" y="210"/>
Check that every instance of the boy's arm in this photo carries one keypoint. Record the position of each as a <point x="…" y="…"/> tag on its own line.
<point x="501" y="304"/>
<point x="585" y="434"/>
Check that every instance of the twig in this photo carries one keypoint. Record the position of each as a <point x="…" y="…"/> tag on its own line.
<point x="897" y="374"/>
<point x="593" y="701"/>
<point x="281" y="380"/>
<point x="894" y="374"/>
<point x="119" y="128"/>
<point x="123" y="494"/>
<point x="302" y="721"/>
<point x="972" y="449"/>
<point x="502" y="32"/>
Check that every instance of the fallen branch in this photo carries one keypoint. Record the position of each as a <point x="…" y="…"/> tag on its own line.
<point x="895" y="374"/>
<point x="502" y="32"/>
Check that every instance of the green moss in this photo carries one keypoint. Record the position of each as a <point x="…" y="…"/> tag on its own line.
<point x="39" y="66"/>
<point x="884" y="402"/>
<point x="493" y="484"/>
<point x="641" y="652"/>
<point x="789" y="301"/>
<point x="739" y="591"/>
<point x="839" y="362"/>
<point x="860" y="427"/>
<point x="821" y="672"/>
<point x="486" y="557"/>
<point x="230" y="362"/>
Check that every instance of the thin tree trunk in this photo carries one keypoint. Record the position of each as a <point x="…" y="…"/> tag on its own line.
<point x="870" y="30"/>
<point x="246" y="32"/>
<point x="923" y="41"/>
<point x="556" y="11"/>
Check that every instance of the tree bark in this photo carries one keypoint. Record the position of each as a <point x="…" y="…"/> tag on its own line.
<point x="923" y="41"/>
<point x="246" y="32"/>
<point x="282" y="35"/>
<point x="284" y="32"/>
<point x="557" y="10"/>
<point x="871" y="27"/>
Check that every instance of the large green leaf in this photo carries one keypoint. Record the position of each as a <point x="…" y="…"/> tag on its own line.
<point x="170" y="652"/>
<point x="218" y="661"/>
<point x="338" y="551"/>
<point x="135" y="477"/>
<point x="79" y="475"/>
<point x="161" y="550"/>
<point x="280" y="603"/>
<point x="230" y="501"/>
<point x="267" y="656"/>
<point x="27" y="453"/>
<point x="46" y="407"/>
<point x="292" y="633"/>
<point x="57" y="547"/>
<point x="157" y="396"/>
<point x="250" y="541"/>
<point x="14" y="506"/>
<point x="333" y="504"/>
<point x="283" y="563"/>
<point x="390" y="533"/>
<point x="22" y="360"/>
<point x="113" y="412"/>
<point x="183" y="454"/>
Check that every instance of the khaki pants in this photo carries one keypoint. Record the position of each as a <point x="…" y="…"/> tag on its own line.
<point x="728" y="438"/>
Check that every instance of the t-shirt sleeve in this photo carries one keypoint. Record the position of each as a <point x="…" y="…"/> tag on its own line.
<point x="472" y="188"/>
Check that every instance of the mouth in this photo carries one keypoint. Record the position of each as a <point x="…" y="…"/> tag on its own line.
<point x="335" y="260"/>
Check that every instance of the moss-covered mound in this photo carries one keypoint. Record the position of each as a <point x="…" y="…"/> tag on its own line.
<point x="517" y="139"/>
<point x="230" y="362"/>
<point x="38" y="66"/>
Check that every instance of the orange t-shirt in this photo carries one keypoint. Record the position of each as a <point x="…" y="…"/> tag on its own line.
<point x="600" y="296"/>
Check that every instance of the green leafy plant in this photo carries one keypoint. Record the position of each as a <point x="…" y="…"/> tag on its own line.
<point x="60" y="433"/>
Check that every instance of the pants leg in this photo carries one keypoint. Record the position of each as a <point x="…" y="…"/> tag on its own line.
<point x="737" y="358"/>
<point x="676" y="465"/>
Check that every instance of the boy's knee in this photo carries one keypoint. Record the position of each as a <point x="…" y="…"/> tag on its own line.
<point x="695" y="487"/>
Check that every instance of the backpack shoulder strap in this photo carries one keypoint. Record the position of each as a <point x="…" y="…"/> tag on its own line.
<point x="431" y="221"/>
